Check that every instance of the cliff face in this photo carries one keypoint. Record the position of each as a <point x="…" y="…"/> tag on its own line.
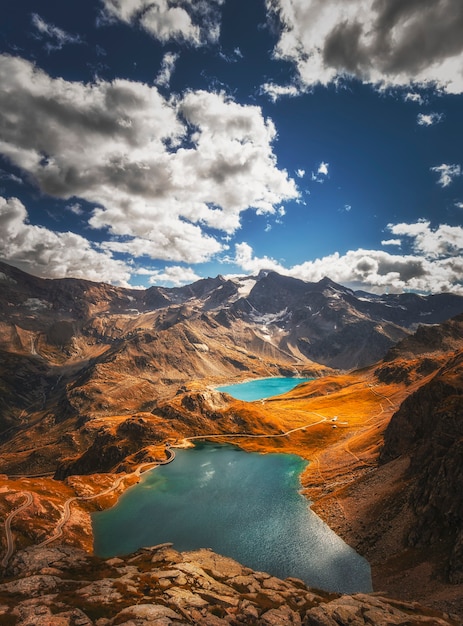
<point x="429" y="429"/>
<point x="159" y="586"/>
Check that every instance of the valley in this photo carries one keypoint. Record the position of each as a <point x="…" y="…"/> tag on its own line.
<point x="98" y="383"/>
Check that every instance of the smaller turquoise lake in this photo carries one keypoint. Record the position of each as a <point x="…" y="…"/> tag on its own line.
<point x="262" y="388"/>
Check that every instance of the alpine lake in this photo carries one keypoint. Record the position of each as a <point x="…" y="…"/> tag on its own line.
<point x="241" y="504"/>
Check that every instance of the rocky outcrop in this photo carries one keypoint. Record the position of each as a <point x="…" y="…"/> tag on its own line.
<point x="428" y="428"/>
<point x="159" y="586"/>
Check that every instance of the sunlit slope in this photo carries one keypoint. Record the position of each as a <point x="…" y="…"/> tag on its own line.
<point x="339" y="421"/>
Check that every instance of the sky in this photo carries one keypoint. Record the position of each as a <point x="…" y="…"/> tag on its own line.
<point x="157" y="142"/>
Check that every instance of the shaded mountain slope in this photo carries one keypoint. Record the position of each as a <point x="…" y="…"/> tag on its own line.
<point x="428" y="429"/>
<point x="405" y="512"/>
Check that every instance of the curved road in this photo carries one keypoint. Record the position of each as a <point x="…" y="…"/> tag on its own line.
<point x="271" y="435"/>
<point x="67" y="505"/>
<point x="8" y="533"/>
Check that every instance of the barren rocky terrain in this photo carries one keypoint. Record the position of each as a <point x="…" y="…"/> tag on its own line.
<point x="161" y="587"/>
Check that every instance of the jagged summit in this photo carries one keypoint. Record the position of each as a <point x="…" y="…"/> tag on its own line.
<point x="322" y="322"/>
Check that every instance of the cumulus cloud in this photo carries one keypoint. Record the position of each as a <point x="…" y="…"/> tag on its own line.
<point x="321" y="173"/>
<point x="392" y="43"/>
<point x="442" y="241"/>
<point x="174" y="275"/>
<point x="435" y="266"/>
<point x="447" y="173"/>
<point x="300" y="173"/>
<point x="244" y="257"/>
<point x="51" y="254"/>
<point x="55" y="37"/>
<point x="162" y="174"/>
<point x="185" y="242"/>
<point x="196" y="23"/>
<point x="429" y="119"/>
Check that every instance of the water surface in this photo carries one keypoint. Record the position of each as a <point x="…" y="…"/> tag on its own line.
<point x="240" y="504"/>
<point x="261" y="388"/>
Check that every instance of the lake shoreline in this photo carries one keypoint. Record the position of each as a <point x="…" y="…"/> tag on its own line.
<point x="119" y="530"/>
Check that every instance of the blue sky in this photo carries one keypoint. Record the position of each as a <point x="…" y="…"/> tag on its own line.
<point x="157" y="141"/>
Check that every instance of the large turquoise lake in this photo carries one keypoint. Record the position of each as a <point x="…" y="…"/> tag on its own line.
<point x="261" y="388"/>
<point x="240" y="504"/>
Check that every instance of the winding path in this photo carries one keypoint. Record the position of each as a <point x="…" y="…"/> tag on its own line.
<point x="58" y="532"/>
<point x="8" y="533"/>
<point x="67" y="505"/>
<point x="249" y="435"/>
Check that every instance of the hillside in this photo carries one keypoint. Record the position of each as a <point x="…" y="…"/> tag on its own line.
<point x="405" y="513"/>
<point x="74" y="352"/>
<point x="94" y="380"/>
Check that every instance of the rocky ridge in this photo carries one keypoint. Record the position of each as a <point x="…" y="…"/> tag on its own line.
<point x="405" y="513"/>
<point x="428" y="430"/>
<point x="73" y="352"/>
<point x="159" y="586"/>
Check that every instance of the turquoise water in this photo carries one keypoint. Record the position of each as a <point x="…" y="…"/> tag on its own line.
<point x="262" y="388"/>
<point x="240" y="504"/>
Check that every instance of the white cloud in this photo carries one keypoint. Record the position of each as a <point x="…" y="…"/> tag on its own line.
<point x="300" y="173"/>
<point x="234" y="57"/>
<point x="379" y="271"/>
<point x="442" y="241"/>
<point x="321" y="173"/>
<point x="323" y="168"/>
<point x="447" y="173"/>
<point x="436" y="265"/>
<point x="10" y="177"/>
<point x="167" y="68"/>
<point x="274" y="91"/>
<point x="414" y="97"/>
<point x="396" y="43"/>
<point x="429" y="119"/>
<point x="51" y="254"/>
<point x="244" y="257"/>
<point x="185" y="243"/>
<point x="459" y="205"/>
<point x="174" y="275"/>
<point x="75" y="208"/>
<point x="56" y="36"/>
<point x="158" y="172"/>
<point x="391" y="242"/>
<point x="196" y="23"/>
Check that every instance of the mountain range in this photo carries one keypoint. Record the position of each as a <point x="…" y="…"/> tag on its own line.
<point x="95" y="379"/>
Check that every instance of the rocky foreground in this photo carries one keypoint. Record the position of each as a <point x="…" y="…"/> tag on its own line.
<point x="64" y="586"/>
